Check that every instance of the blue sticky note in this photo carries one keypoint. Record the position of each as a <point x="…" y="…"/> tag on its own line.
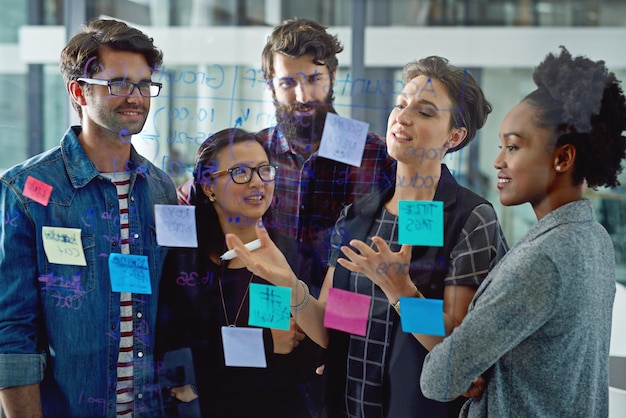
<point x="269" y="306"/>
<point x="129" y="273"/>
<point x="343" y="139"/>
<point x="422" y="316"/>
<point x="420" y="223"/>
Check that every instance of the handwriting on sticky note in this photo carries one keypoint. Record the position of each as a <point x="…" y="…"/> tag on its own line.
<point x="176" y="226"/>
<point x="129" y="273"/>
<point x="63" y="245"/>
<point x="243" y="347"/>
<point x="420" y="223"/>
<point x="37" y="190"/>
<point x="269" y="306"/>
<point x="343" y="139"/>
<point x="347" y="311"/>
<point x="422" y="316"/>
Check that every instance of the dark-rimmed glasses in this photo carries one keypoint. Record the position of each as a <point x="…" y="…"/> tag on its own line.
<point x="126" y="88"/>
<point x="243" y="174"/>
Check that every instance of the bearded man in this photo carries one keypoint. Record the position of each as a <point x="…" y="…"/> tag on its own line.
<point x="300" y="63"/>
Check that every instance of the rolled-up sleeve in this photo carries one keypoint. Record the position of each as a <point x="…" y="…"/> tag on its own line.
<point x="22" y="361"/>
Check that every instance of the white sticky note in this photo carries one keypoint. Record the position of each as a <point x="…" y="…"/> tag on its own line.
<point x="243" y="347"/>
<point x="63" y="245"/>
<point x="343" y="139"/>
<point x="176" y="225"/>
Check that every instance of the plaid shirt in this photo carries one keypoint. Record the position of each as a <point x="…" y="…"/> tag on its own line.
<point x="310" y="192"/>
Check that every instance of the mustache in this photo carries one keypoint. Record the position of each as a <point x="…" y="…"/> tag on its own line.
<point x="300" y="107"/>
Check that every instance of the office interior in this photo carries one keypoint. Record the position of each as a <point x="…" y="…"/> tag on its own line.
<point x="212" y="79"/>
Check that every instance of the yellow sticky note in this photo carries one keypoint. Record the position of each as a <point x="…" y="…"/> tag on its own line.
<point x="63" y="245"/>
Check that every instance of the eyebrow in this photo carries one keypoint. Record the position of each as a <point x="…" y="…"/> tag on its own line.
<point x="143" y="80"/>
<point x="509" y="134"/>
<point x="421" y="101"/>
<point x="301" y="74"/>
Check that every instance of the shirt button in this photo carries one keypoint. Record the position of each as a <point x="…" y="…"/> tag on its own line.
<point x="140" y="354"/>
<point x="132" y="198"/>
<point x="139" y="314"/>
<point x="136" y="236"/>
<point x="140" y="396"/>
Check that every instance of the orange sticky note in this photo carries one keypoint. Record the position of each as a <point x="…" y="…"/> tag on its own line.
<point x="37" y="190"/>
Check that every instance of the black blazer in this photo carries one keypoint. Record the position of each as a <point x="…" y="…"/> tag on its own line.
<point x="429" y="266"/>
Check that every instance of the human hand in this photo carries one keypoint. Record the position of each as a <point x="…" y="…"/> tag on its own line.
<point x="267" y="262"/>
<point x="387" y="269"/>
<point x="476" y="388"/>
<point x="185" y="393"/>
<point x="286" y="341"/>
<point x="320" y="370"/>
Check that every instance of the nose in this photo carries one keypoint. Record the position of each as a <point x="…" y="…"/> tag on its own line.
<point x="135" y="96"/>
<point x="303" y="92"/>
<point x="403" y="117"/>
<point x="256" y="181"/>
<point x="498" y="163"/>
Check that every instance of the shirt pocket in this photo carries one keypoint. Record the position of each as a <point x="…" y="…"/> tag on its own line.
<point x="63" y="285"/>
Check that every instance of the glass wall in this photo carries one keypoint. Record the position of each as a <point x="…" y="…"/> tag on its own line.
<point x="213" y="79"/>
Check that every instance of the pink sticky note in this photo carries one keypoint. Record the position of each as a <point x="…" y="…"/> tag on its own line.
<point x="37" y="190"/>
<point x="347" y="311"/>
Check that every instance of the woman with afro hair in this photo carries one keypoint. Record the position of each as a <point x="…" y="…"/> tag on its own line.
<point x="535" y="342"/>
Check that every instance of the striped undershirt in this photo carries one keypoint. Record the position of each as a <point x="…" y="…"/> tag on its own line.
<point x="124" y="388"/>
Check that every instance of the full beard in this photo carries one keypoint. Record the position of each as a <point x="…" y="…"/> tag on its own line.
<point x="304" y="129"/>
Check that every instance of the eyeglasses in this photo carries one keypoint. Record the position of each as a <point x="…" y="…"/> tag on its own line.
<point x="243" y="174"/>
<point x="126" y="88"/>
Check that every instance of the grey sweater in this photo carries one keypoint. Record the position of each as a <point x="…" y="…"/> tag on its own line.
<point x="538" y="328"/>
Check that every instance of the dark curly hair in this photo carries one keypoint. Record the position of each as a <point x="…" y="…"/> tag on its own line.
<point x="80" y="58"/>
<point x="470" y="108"/>
<point x="583" y="103"/>
<point x="295" y="38"/>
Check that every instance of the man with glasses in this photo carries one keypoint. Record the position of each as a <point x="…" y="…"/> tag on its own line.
<point x="80" y="274"/>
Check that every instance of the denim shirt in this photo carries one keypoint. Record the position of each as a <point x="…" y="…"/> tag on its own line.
<point x="59" y="324"/>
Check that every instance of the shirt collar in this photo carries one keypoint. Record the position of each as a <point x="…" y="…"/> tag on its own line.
<point x="80" y="169"/>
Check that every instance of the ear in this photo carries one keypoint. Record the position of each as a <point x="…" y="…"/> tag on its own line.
<point x="564" y="158"/>
<point x="77" y="93"/>
<point x="457" y="136"/>
<point x="206" y="189"/>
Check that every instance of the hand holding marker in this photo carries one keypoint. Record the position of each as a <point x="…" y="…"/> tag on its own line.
<point x="251" y="246"/>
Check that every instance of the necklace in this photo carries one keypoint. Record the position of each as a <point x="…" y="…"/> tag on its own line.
<point x="219" y="282"/>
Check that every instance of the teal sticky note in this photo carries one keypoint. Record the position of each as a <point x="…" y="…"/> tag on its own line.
<point x="422" y="316"/>
<point x="269" y="306"/>
<point x="129" y="273"/>
<point x="420" y="223"/>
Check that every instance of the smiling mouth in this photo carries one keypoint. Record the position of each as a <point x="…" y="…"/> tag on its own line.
<point x="131" y="113"/>
<point x="255" y="198"/>
<point x="401" y="137"/>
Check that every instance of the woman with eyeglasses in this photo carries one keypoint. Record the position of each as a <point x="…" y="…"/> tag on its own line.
<point x="200" y="294"/>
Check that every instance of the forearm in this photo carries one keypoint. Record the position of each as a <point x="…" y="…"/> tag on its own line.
<point x="308" y="313"/>
<point x="430" y="341"/>
<point x="21" y="401"/>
